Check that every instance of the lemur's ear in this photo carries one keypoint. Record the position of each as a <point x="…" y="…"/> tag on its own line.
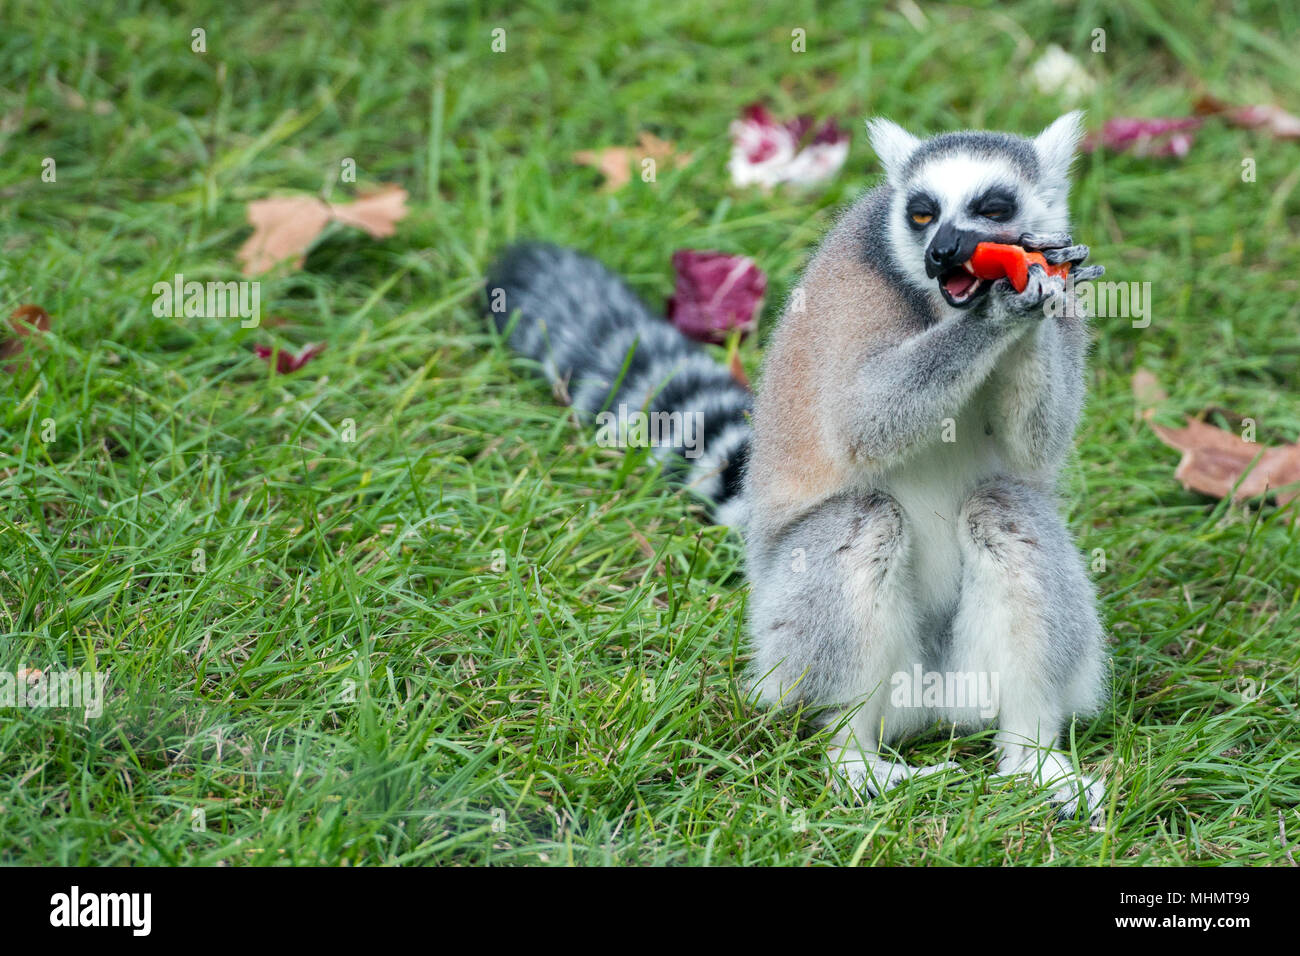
<point x="892" y="143"/>
<point x="1056" y="145"/>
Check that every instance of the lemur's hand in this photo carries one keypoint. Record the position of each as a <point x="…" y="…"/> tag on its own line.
<point x="1056" y="248"/>
<point x="1008" y="305"/>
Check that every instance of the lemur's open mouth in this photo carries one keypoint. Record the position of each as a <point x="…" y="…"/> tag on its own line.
<point x="961" y="287"/>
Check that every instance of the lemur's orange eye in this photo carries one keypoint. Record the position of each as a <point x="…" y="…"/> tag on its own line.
<point x="921" y="218"/>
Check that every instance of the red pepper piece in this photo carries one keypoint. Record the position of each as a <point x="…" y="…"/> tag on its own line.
<point x="994" y="260"/>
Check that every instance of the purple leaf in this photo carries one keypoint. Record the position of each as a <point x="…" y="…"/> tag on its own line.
<point x="1147" y="137"/>
<point x="1276" y="120"/>
<point x="286" y="362"/>
<point x="714" y="294"/>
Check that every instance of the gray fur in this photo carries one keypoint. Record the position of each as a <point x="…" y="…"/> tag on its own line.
<point x="977" y="143"/>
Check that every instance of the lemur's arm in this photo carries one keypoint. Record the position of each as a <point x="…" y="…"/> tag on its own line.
<point x="1039" y="389"/>
<point x="905" y="391"/>
<point x="1039" y="394"/>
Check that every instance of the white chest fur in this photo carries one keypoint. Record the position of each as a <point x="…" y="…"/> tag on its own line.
<point x="931" y="486"/>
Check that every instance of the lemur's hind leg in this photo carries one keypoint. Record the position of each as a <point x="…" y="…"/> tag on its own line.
<point x="833" y="618"/>
<point x="1027" y="619"/>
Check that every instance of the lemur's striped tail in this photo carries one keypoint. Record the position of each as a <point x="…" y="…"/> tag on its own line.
<point x="616" y="359"/>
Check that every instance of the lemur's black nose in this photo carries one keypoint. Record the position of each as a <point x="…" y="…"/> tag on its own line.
<point x="950" y="247"/>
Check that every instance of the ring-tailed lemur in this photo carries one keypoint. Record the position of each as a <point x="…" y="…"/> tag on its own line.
<point x="898" y="498"/>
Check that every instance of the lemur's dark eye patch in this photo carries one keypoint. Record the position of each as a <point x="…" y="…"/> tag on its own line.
<point x="921" y="211"/>
<point x="996" y="204"/>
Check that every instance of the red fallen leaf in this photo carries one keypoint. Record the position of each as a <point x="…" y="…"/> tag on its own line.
<point x="1214" y="461"/>
<point x="284" y="227"/>
<point x="1273" y="119"/>
<point x="765" y="151"/>
<point x="19" y="320"/>
<point x="286" y="362"/>
<point x="1146" y="137"/>
<point x="714" y="294"/>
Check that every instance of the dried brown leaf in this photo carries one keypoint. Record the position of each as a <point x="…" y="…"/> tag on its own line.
<point x="1214" y="461"/>
<point x="22" y="321"/>
<point x="1208" y="105"/>
<point x="284" y="227"/>
<point x="615" y="162"/>
<point x="377" y="213"/>
<point x="642" y="542"/>
<point x="1147" y="392"/>
<point x="738" y="370"/>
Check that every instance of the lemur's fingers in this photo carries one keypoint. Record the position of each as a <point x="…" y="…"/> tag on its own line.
<point x="1087" y="273"/>
<point x="1038" y="242"/>
<point x="1071" y="254"/>
<point x="1005" y="296"/>
<point x="1039" y="288"/>
<point x="1028" y="303"/>
<point x="1047" y="286"/>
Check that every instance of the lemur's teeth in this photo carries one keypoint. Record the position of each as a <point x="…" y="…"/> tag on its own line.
<point x="968" y="267"/>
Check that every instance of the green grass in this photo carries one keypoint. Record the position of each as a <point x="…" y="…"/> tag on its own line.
<point x="433" y="644"/>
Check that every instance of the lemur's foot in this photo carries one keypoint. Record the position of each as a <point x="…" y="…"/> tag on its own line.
<point x="869" y="775"/>
<point x="1079" y="792"/>
<point x="1067" y="789"/>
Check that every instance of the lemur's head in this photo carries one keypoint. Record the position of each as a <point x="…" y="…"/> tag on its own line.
<point x="954" y="191"/>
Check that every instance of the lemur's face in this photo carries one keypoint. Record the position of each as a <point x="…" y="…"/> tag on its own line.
<point x="955" y="191"/>
<point x="952" y="203"/>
